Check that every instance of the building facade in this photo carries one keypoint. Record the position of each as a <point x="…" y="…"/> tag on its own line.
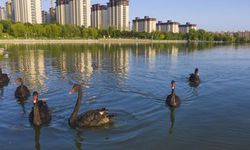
<point x="75" y="12"/>
<point x="52" y="15"/>
<point x="60" y="11"/>
<point x="187" y="27"/>
<point x="168" y="26"/>
<point x="146" y="24"/>
<point x="45" y="17"/>
<point x="2" y="13"/>
<point x="8" y="9"/>
<point x="99" y="16"/>
<point x="118" y="14"/>
<point x="26" y="11"/>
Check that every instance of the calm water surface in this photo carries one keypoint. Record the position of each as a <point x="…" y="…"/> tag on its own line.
<point x="133" y="82"/>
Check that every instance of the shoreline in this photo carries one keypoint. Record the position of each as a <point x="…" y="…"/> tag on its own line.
<point x="99" y="41"/>
<point x="84" y="41"/>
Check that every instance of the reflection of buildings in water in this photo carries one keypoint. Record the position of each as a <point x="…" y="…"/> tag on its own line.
<point x="85" y="63"/>
<point x="76" y="62"/>
<point x="174" y="54"/>
<point x="31" y="65"/>
<point x="120" y="61"/>
<point x="174" y="51"/>
<point x="151" y="53"/>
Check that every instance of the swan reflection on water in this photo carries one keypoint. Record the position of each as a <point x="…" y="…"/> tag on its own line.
<point x="37" y="137"/>
<point x="78" y="139"/>
<point x="172" y="119"/>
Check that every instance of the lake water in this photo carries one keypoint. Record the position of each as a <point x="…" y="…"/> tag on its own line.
<point x="133" y="82"/>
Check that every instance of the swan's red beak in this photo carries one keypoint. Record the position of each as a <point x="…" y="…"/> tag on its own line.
<point x="34" y="99"/>
<point x="72" y="91"/>
<point x="173" y="85"/>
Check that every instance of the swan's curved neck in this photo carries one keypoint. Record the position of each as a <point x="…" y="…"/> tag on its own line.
<point x="36" y="115"/>
<point x="73" y="117"/>
<point x="21" y="84"/>
<point x="172" y="90"/>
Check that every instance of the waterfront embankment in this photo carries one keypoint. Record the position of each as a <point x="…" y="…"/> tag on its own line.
<point x="83" y="41"/>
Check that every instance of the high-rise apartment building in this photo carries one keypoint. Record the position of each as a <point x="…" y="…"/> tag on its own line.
<point x="118" y="13"/>
<point x="115" y="14"/>
<point x="168" y="26"/>
<point x="52" y="15"/>
<point x="2" y="13"/>
<point x="60" y="11"/>
<point x="27" y="11"/>
<point x="186" y="27"/>
<point x="146" y="24"/>
<point x="75" y="12"/>
<point x="45" y="17"/>
<point x="36" y="12"/>
<point x="8" y="9"/>
<point x="99" y="16"/>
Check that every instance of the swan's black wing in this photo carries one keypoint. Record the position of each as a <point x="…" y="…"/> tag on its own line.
<point x="4" y="80"/>
<point x="194" y="78"/>
<point x="169" y="100"/>
<point x="44" y="111"/>
<point x="22" y="92"/>
<point x="93" y="118"/>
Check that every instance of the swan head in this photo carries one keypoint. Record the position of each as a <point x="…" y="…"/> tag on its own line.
<point x="19" y="80"/>
<point x="196" y="71"/>
<point x="173" y="84"/>
<point x="35" y="97"/>
<point x="75" y="88"/>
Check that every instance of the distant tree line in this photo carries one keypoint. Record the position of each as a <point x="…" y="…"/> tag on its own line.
<point x="56" y="31"/>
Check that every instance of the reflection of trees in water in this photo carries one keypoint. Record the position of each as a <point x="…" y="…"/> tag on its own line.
<point x="28" y="62"/>
<point x="83" y="59"/>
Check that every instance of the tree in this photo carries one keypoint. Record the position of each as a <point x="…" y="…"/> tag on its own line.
<point x="1" y="29"/>
<point x="192" y="35"/>
<point x="201" y="34"/>
<point x="6" y="26"/>
<point x="39" y="30"/>
<point x="53" y="30"/>
<point x="92" y="33"/>
<point x="19" y="30"/>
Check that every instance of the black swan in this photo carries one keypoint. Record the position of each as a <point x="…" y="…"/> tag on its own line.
<point x="4" y="79"/>
<point x="194" y="77"/>
<point x="40" y="113"/>
<point x="91" y="118"/>
<point x="172" y="99"/>
<point x="22" y="92"/>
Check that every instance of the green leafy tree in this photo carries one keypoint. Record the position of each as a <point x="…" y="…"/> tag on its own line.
<point x="39" y="30"/>
<point x="19" y="30"/>
<point x="92" y="33"/>
<point x="6" y="26"/>
<point x="53" y="30"/>
<point x="1" y="29"/>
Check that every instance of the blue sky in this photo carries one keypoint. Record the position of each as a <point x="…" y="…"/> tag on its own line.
<point x="211" y="15"/>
